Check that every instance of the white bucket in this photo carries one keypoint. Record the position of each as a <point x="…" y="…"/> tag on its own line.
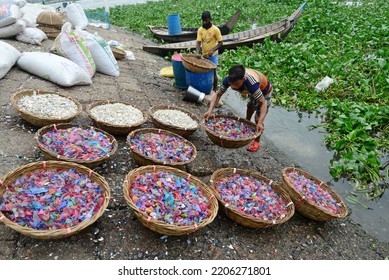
<point x="194" y="95"/>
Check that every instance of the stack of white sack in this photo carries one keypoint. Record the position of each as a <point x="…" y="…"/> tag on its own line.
<point x="17" y="22"/>
<point x="10" y="22"/>
<point x="70" y="45"/>
<point x="78" y="55"/>
<point x="91" y="52"/>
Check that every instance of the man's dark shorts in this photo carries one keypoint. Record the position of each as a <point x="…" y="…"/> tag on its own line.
<point x="254" y="104"/>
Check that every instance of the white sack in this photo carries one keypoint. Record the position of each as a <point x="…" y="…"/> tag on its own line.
<point x="76" y="16"/>
<point x="8" y="57"/>
<point x="28" y="22"/>
<point x="54" y="68"/>
<point x="13" y="29"/>
<point x="31" y="35"/>
<point x="9" y="14"/>
<point x="101" y="52"/>
<point x="70" y="45"/>
<point x="19" y="3"/>
<point x="32" y="11"/>
<point x="82" y="13"/>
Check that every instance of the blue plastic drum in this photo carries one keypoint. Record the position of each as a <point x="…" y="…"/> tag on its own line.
<point x="179" y="71"/>
<point x="173" y="24"/>
<point x="201" y="81"/>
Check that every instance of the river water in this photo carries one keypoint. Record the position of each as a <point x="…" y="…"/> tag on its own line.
<point x="288" y="131"/>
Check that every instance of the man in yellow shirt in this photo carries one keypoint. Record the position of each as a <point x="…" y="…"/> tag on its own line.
<point x="209" y="39"/>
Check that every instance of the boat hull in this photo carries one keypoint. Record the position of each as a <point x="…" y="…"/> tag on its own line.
<point x="189" y="34"/>
<point x="276" y="32"/>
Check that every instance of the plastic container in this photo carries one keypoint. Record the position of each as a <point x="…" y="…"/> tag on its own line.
<point x="324" y="84"/>
<point x="173" y="24"/>
<point x="194" y="95"/>
<point x="179" y="71"/>
<point x="200" y="81"/>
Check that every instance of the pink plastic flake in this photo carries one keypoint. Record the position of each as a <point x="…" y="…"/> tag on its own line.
<point x="167" y="197"/>
<point x="230" y="128"/>
<point x="77" y="143"/>
<point x="166" y="148"/>
<point x="251" y="196"/>
<point x="313" y="192"/>
<point x="51" y="199"/>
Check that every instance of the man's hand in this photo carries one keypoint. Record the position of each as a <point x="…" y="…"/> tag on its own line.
<point x="260" y="127"/>
<point x="207" y="115"/>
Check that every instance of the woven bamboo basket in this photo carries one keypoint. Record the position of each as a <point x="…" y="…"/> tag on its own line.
<point x="197" y="65"/>
<point x="88" y="163"/>
<point x="160" y="226"/>
<point x="241" y="217"/>
<point x="50" y="19"/>
<point x="184" y="132"/>
<point x="52" y="35"/>
<point x="37" y="120"/>
<point x="227" y="142"/>
<point x="307" y="208"/>
<point x="51" y="32"/>
<point x="57" y="233"/>
<point x="112" y="128"/>
<point x="142" y="159"/>
<point x="118" y="53"/>
<point x="49" y="28"/>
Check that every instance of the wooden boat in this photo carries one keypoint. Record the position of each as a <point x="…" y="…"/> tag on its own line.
<point x="190" y="33"/>
<point x="276" y="31"/>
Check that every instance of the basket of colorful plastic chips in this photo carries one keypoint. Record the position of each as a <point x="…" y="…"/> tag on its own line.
<point x="229" y="131"/>
<point x="85" y="145"/>
<point x="53" y="199"/>
<point x="168" y="200"/>
<point x="312" y="197"/>
<point x="119" y="118"/>
<point x="250" y="199"/>
<point x="175" y="119"/>
<point x="150" y="146"/>
<point x="44" y="107"/>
